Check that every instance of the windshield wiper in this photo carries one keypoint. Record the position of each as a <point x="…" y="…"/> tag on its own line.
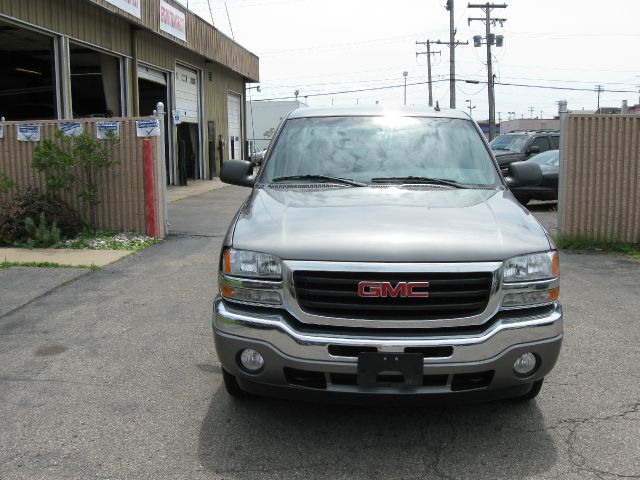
<point x="324" y="178"/>
<point x="412" y="179"/>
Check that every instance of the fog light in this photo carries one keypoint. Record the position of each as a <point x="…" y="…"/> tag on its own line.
<point x="251" y="360"/>
<point x="525" y="364"/>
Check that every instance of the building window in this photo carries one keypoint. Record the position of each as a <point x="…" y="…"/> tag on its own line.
<point x="27" y="78"/>
<point x="95" y="83"/>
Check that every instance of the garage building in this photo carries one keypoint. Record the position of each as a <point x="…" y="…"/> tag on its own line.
<point x="67" y="59"/>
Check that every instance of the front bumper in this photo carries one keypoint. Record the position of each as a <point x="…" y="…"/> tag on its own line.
<point x="484" y="356"/>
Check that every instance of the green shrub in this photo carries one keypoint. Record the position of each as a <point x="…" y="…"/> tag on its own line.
<point x="41" y="235"/>
<point x="6" y="183"/>
<point x="79" y="161"/>
<point x="30" y="203"/>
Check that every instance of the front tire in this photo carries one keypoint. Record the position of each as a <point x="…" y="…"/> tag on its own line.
<point x="533" y="393"/>
<point x="232" y="386"/>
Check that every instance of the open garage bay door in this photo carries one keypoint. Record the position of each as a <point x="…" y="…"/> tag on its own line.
<point x="234" y="125"/>
<point x="187" y="95"/>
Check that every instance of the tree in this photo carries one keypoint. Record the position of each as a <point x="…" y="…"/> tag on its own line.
<point x="79" y="161"/>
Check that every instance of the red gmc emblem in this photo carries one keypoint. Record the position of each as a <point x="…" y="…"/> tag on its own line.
<point x="385" y="289"/>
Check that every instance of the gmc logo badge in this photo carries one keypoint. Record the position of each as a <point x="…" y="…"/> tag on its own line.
<point x="385" y="289"/>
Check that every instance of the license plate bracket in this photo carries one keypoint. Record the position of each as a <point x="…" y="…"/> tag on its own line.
<point x="377" y="369"/>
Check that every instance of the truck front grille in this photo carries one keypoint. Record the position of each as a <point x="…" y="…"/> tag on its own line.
<point x="335" y="294"/>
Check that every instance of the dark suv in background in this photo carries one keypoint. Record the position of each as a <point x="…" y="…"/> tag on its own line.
<point x="520" y="145"/>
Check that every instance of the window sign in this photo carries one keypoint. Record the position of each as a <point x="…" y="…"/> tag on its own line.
<point x="173" y="21"/>
<point x="130" y="6"/>
<point x="103" y="127"/>
<point x="148" y="128"/>
<point x="71" y="129"/>
<point x="28" y="133"/>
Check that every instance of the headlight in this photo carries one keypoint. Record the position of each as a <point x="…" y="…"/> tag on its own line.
<point x="251" y="277"/>
<point x="244" y="263"/>
<point x="534" y="266"/>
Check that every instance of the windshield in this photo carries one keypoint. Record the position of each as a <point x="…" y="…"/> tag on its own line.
<point x="552" y="157"/>
<point x="511" y="143"/>
<point x="366" y="149"/>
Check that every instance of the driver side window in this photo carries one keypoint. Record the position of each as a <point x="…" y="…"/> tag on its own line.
<point x="542" y="143"/>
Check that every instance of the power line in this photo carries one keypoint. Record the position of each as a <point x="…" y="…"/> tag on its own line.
<point x="460" y="80"/>
<point x="210" y="11"/>
<point x="229" y="19"/>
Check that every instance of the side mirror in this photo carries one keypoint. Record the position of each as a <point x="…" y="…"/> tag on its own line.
<point x="237" y="172"/>
<point x="533" y="149"/>
<point x="523" y="174"/>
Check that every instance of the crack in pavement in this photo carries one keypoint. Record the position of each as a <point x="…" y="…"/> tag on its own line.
<point x="45" y="294"/>
<point x="577" y="459"/>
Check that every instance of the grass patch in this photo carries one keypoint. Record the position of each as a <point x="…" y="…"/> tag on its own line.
<point x="107" y="240"/>
<point x="577" y="244"/>
<point x="5" y="265"/>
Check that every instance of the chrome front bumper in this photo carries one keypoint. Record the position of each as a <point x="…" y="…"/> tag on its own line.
<point x="494" y="348"/>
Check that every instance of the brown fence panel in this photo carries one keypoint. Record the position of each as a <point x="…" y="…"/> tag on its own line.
<point x="599" y="194"/>
<point x="122" y="199"/>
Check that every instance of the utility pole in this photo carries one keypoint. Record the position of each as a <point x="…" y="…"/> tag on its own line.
<point x="452" y="68"/>
<point x="531" y="109"/>
<point x="490" y="39"/>
<point x="428" y="53"/>
<point x="599" y="89"/>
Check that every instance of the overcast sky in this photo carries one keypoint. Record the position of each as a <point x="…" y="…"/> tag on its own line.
<point x="324" y="46"/>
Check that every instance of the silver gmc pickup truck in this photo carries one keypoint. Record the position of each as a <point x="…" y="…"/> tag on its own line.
<point x="381" y="255"/>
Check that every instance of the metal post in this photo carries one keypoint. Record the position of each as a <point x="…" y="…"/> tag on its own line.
<point x="160" y="113"/>
<point x="404" y="74"/>
<point x="452" y="56"/>
<point x="562" y="114"/>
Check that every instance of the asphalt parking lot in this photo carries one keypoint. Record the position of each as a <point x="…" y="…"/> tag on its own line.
<point x="113" y="375"/>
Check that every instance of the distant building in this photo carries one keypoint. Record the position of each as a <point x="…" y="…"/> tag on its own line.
<point x="529" y="124"/>
<point x="484" y="126"/>
<point x="263" y="119"/>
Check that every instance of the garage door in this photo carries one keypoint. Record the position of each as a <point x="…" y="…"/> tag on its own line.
<point x="187" y="94"/>
<point x="234" y="126"/>
<point x="155" y="76"/>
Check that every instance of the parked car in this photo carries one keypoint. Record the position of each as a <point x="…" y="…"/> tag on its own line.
<point x="549" y="163"/>
<point x="257" y="155"/>
<point x="521" y="145"/>
<point x="382" y="254"/>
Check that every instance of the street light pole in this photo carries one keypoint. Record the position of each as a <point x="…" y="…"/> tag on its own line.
<point x="404" y="74"/>
<point x="470" y="107"/>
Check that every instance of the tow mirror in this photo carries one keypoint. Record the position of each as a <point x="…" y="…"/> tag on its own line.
<point x="237" y="172"/>
<point x="523" y="174"/>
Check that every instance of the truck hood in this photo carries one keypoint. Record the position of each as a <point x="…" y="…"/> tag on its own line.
<point x="387" y="224"/>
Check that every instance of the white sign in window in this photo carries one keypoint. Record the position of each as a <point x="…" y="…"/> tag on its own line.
<point x="173" y="21"/>
<point x="132" y="7"/>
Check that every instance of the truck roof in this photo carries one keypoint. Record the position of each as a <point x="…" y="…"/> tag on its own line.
<point x="367" y="111"/>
